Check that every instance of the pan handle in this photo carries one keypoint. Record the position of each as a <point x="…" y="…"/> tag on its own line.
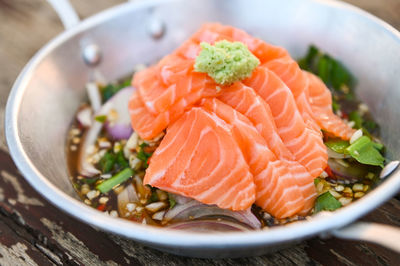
<point x="385" y="235"/>
<point x="65" y="12"/>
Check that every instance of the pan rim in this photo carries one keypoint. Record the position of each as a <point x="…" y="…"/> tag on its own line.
<point x="162" y="236"/>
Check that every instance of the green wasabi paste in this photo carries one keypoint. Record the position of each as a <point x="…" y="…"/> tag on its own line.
<point x="226" y="62"/>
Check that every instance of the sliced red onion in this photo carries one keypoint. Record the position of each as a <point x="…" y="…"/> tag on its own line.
<point x="94" y="95"/>
<point x="84" y="116"/>
<point x="194" y="210"/>
<point x="207" y="226"/>
<point x="352" y="171"/>
<point x="119" y="131"/>
<point x="119" y="102"/>
<point x="335" y="155"/>
<point x="120" y="128"/>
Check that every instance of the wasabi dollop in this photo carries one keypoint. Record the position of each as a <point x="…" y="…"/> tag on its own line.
<point x="226" y="62"/>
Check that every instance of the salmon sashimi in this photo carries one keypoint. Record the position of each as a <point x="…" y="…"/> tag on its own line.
<point x="279" y="61"/>
<point x="173" y="78"/>
<point x="200" y="159"/>
<point x="307" y="148"/>
<point x="320" y="99"/>
<point x="148" y="125"/>
<point x="276" y="187"/>
<point x="246" y="101"/>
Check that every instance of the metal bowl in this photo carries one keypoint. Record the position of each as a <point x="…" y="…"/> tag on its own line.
<point x="49" y="90"/>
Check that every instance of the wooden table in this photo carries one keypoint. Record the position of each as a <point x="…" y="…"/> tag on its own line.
<point x="32" y="231"/>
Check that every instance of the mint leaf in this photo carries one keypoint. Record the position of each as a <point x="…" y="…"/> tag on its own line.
<point x="338" y="145"/>
<point x="366" y="152"/>
<point x="356" y="117"/>
<point x="326" y="202"/>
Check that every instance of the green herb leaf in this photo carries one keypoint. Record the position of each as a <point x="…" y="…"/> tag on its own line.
<point x="326" y="202"/>
<point x="331" y="71"/>
<point x="337" y="145"/>
<point x="316" y="181"/>
<point x="153" y="196"/>
<point x="144" y="156"/>
<point x="107" y="162"/>
<point x="366" y="152"/>
<point x="121" y="161"/>
<point x="101" y="118"/>
<point x="89" y="181"/>
<point x="115" y="180"/>
<point x="110" y="89"/>
<point x="171" y="200"/>
<point x="335" y="105"/>
<point x="356" y="117"/>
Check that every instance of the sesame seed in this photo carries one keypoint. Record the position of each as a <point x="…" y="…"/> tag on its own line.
<point x="76" y="140"/>
<point x="103" y="200"/>
<point x="324" y="174"/>
<point x="92" y="194"/>
<point x="339" y="188"/>
<point x="351" y="124"/>
<point x="73" y="148"/>
<point x="88" y="202"/>
<point x="155" y="206"/>
<point x="130" y="206"/>
<point x="358" y="187"/>
<point x="345" y="201"/>
<point x="334" y="193"/>
<point x="359" y="194"/>
<point x="85" y="189"/>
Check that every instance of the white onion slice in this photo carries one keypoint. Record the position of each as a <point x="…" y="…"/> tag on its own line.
<point x="84" y="116"/>
<point x="194" y="210"/>
<point x="94" y="95"/>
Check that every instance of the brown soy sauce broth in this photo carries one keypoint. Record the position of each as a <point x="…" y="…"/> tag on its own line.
<point x="346" y="191"/>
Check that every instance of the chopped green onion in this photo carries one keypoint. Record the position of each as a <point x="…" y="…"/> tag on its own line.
<point x="101" y="118"/>
<point x="326" y="202"/>
<point x="115" y="180"/>
<point x="316" y="181"/>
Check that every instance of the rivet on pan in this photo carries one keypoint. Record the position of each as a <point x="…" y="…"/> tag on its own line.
<point x="156" y="28"/>
<point x="389" y="168"/>
<point x="91" y="54"/>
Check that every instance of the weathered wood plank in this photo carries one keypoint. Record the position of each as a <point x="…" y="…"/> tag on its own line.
<point x="62" y="239"/>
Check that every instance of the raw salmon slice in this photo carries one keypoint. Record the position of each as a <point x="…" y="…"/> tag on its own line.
<point x="307" y="148"/>
<point x="279" y="61"/>
<point x="148" y="125"/>
<point x="246" y="101"/>
<point x="276" y="188"/>
<point x="173" y="78"/>
<point x="320" y="99"/>
<point x="199" y="158"/>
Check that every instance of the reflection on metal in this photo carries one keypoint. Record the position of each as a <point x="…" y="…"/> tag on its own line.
<point x="91" y="54"/>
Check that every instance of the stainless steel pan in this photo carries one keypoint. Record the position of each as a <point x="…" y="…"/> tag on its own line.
<point x="49" y="89"/>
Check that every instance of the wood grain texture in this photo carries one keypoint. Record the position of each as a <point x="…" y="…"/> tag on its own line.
<point x="33" y="232"/>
